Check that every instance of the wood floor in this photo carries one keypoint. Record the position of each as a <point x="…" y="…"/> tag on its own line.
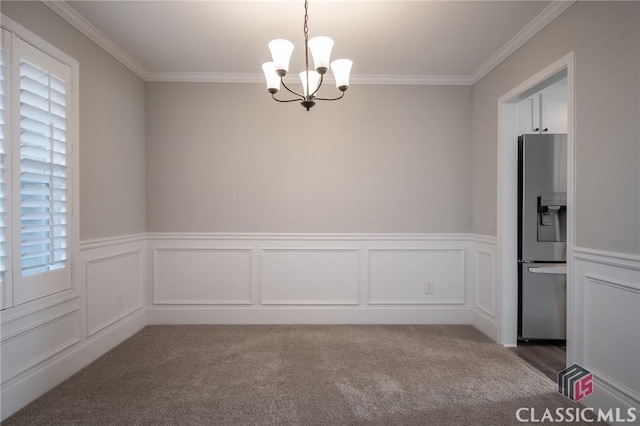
<point x="549" y="357"/>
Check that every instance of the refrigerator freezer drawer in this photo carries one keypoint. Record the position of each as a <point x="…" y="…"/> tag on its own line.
<point x="543" y="302"/>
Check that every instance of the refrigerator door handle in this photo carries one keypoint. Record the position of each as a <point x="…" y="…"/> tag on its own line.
<point x="556" y="269"/>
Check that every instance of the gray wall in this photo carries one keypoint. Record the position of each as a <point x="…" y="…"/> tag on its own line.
<point x="226" y="158"/>
<point x="386" y="159"/>
<point x="112" y="127"/>
<point x="605" y="37"/>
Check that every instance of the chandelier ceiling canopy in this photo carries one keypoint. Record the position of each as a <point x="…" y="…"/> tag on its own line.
<point x="311" y="80"/>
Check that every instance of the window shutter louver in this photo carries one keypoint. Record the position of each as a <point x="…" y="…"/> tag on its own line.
<point x="43" y="171"/>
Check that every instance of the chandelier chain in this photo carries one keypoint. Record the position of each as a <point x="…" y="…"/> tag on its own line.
<point x="306" y="41"/>
<point x="306" y="20"/>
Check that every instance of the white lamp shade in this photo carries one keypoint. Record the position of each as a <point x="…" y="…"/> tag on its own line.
<point x="314" y="79"/>
<point x="281" y="51"/>
<point x="273" y="80"/>
<point x="321" y="51"/>
<point x="341" y="69"/>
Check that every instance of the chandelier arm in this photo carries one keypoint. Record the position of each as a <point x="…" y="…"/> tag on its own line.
<point x="331" y="99"/>
<point x="294" y="92"/>
<point x="283" y="100"/>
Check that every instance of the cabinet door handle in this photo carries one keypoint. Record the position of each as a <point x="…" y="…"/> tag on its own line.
<point x="546" y="129"/>
<point x="537" y="129"/>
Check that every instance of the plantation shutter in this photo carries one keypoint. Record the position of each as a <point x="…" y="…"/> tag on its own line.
<point x="44" y="175"/>
<point x="5" y="247"/>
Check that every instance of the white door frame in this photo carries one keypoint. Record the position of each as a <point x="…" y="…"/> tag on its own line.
<point x="507" y="202"/>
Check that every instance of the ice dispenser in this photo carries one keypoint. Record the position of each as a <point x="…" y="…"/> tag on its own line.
<point x="552" y="216"/>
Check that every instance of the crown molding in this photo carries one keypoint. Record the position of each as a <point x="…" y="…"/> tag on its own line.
<point x="85" y="27"/>
<point x="545" y="17"/>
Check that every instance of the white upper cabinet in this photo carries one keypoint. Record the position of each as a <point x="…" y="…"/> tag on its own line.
<point x="529" y="115"/>
<point x="553" y="108"/>
<point x="545" y="111"/>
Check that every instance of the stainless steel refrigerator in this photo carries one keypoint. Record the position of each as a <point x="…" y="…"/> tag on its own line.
<point x="542" y="207"/>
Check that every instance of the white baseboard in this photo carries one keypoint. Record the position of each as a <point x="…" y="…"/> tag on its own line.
<point x="484" y="323"/>
<point x="607" y="398"/>
<point x="307" y="315"/>
<point x="30" y="387"/>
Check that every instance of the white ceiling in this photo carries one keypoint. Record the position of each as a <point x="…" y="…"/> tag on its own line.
<point x="453" y="42"/>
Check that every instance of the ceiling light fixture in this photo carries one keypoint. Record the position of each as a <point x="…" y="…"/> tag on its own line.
<point x="320" y="48"/>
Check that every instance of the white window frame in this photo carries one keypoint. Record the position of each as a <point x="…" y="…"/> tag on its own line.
<point x="13" y="296"/>
<point x="6" y="286"/>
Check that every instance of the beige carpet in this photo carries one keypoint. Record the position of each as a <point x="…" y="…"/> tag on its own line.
<point x="307" y="375"/>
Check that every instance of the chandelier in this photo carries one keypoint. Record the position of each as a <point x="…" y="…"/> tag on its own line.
<point x="320" y="47"/>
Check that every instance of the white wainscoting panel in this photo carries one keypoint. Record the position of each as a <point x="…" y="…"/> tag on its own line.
<point x="47" y="340"/>
<point x="608" y="304"/>
<point x="43" y="340"/>
<point x="485" y="286"/>
<point x="608" y="287"/>
<point x="202" y="275"/>
<point x="485" y="282"/>
<point x="400" y="276"/>
<point x="113" y="272"/>
<point x="310" y="278"/>
<point x="304" y="276"/>
<point x="113" y="288"/>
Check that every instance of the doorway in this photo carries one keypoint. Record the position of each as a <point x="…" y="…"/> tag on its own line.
<point x="507" y="272"/>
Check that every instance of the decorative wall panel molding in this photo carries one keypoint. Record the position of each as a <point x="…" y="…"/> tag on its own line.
<point x="114" y="288"/>
<point x="310" y="276"/>
<point x="409" y="276"/>
<point x="23" y="318"/>
<point x="609" y="304"/>
<point x="485" y="281"/>
<point x="202" y="275"/>
<point x="608" y="292"/>
<point x="275" y="278"/>
<point x="113" y="274"/>
<point x="485" y="286"/>
<point x="23" y="351"/>
<point x="310" y="269"/>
